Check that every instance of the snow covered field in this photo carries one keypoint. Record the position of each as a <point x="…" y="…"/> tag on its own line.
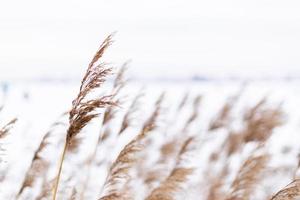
<point x="37" y="105"/>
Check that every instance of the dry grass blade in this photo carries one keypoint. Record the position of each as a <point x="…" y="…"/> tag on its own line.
<point x="233" y="143"/>
<point x="108" y="115"/>
<point x="297" y="171"/>
<point x="215" y="191"/>
<point x="80" y="116"/>
<point x="260" y="121"/>
<point x="90" y="72"/>
<point x="290" y="192"/>
<point x="118" y="174"/>
<point x="120" y="81"/>
<point x="83" y="111"/>
<point x="179" y="175"/>
<point x="195" y="112"/>
<point x="39" y="165"/>
<point x="149" y="125"/>
<point x="119" y="171"/>
<point x="183" y="102"/>
<point x="74" y="194"/>
<point x="160" y="169"/>
<point x="133" y="108"/>
<point x="118" y="85"/>
<point x="223" y="117"/>
<point x="248" y="177"/>
<point x="168" y="149"/>
<point x="4" y="131"/>
<point x="168" y="188"/>
<point x="46" y="189"/>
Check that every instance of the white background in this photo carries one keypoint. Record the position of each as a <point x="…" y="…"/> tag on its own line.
<point x="162" y="38"/>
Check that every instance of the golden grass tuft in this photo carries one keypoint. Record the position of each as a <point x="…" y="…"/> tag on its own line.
<point x="167" y="190"/>
<point x="258" y="124"/>
<point x="260" y="120"/>
<point x="152" y="164"/>
<point x="119" y="173"/>
<point x="223" y="117"/>
<point x="83" y="109"/>
<point x="109" y="114"/>
<point x="248" y="177"/>
<point x="179" y="175"/>
<point x="290" y="192"/>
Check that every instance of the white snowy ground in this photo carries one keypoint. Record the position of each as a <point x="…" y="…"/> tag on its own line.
<point x="38" y="104"/>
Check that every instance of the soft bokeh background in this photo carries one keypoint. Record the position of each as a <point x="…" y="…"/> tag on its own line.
<point x="163" y="38"/>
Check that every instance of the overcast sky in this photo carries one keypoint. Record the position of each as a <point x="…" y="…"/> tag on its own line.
<point x="162" y="38"/>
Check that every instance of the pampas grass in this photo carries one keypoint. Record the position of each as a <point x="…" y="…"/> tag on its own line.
<point x="39" y="164"/>
<point x="260" y="121"/>
<point x="37" y="167"/>
<point x="248" y="177"/>
<point x="290" y="192"/>
<point x="82" y="111"/>
<point x="223" y="117"/>
<point x="119" y="173"/>
<point x="179" y="174"/>
<point x="154" y="163"/>
<point x="109" y="114"/>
